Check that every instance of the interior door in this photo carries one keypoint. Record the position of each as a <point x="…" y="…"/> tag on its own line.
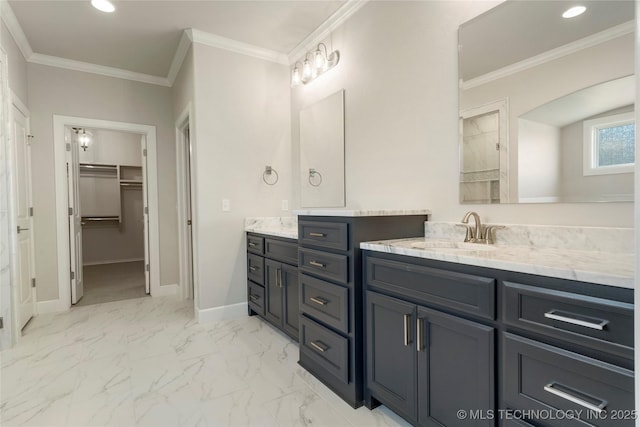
<point x="26" y="268"/>
<point x="75" y="216"/>
<point x="188" y="211"/>
<point x="145" y="203"/>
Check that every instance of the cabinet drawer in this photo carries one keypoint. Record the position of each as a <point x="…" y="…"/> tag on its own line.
<point x="432" y="286"/>
<point x="542" y="377"/>
<point x="255" y="268"/>
<point x="515" y="421"/>
<point x="328" y="349"/>
<point x="325" y="302"/>
<point x="281" y="250"/>
<point x="593" y="322"/>
<point x="332" y="235"/>
<point x="255" y="244"/>
<point x="329" y="266"/>
<point x="255" y="296"/>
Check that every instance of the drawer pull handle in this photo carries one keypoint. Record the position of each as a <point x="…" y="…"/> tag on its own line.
<point x="252" y="244"/>
<point x="553" y="389"/>
<point x="254" y="297"/>
<point x="319" y="345"/>
<point x="407" y="319"/>
<point x="555" y="315"/>
<point x="317" y="264"/>
<point x="319" y="300"/>
<point x="313" y="234"/>
<point x="252" y="268"/>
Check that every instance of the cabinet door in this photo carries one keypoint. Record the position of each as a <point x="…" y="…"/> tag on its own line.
<point x="274" y="291"/>
<point x="391" y="353"/>
<point x="291" y="304"/>
<point x="455" y="369"/>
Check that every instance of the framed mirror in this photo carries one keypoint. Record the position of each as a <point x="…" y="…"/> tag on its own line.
<point x="322" y="153"/>
<point x="547" y="103"/>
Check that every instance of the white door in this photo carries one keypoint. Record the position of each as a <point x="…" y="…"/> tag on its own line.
<point x="26" y="268"/>
<point x="75" y="216"/>
<point x="147" y="282"/>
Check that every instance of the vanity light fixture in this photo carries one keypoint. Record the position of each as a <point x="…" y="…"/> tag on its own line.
<point x="574" y="11"/>
<point x="315" y="63"/>
<point x="103" y="5"/>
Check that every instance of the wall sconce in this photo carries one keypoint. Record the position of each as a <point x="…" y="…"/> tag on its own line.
<point x="315" y="63"/>
<point x="84" y="137"/>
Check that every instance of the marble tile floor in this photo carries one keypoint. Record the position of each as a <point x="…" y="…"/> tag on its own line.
<point x="147" y="362"/>
<point x="112" y="282"/>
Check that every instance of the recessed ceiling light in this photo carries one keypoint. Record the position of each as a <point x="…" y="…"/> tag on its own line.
<point x="574" y="11"/>
<point x="103" y="5"/>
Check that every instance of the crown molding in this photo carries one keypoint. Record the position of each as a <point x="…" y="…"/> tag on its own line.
<point x="179" y="55"/>
<point x="323" y="31"/>
<point x="220" y="42"/>
<point x="551" y="55"/>
<point x="15" y="29"/>
<point x="69" y="64"/>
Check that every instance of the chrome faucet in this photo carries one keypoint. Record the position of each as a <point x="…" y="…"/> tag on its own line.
<point x="472" y="235"/>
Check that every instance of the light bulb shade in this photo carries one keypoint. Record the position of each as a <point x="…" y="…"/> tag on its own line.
<point x="319" y="60"/>
<point x="295" y="76"/>
<point x="306" y="69"/>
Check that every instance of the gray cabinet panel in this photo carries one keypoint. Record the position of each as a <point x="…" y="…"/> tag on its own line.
<point x="255" y="268"/>
<point x="273" y="292"/>
<point x="255" y="244"/>
<point x="281" y="250"/>
<point x="455" y="369"/>
<point x="256" y="298"/>
<point x="323" y="264"/>
<point x="325" y="301"/>
<point x="332" y="235"/>
<point x="291" y="312"/>
<point x="328" y="349"/>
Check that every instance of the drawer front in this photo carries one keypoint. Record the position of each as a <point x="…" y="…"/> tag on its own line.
<point x="325" y="302"/>
<point x="323" y="264"/>
<point x="542" y="377"/>
<point x="512" y="419"/>
<point x="432" y="286"/>
<point x="332" y="235"/>
<point x="593" y="322"/>
<point x="255" y="268"/>
<point x="328" y="349"/>
<point x="255" y="244"/>
<point x="255" y="296"/>
<point x="281" y="250"/>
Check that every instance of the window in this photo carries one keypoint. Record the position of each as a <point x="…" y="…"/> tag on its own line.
<point x="610" y="144"/>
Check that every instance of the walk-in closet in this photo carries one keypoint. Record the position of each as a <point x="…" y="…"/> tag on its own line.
<point x="111" y="199"/>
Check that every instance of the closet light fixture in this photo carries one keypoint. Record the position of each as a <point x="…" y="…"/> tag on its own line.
<point x="84" y="137"/>
<point x="103" y="5"/>
<point x="574" y="11"/>
<point x="315" y="63"/>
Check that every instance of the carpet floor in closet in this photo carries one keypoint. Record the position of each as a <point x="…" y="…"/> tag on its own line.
<point x="112" y="282"/>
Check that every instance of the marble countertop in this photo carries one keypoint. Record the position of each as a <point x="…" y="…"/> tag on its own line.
<point x="602" y="267"/>
<point x="286" y="226"/>
<point x="360" y="212"/>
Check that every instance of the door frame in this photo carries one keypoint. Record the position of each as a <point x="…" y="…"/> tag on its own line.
<point x="62" y="229"/>
<point x="186" y="118"/>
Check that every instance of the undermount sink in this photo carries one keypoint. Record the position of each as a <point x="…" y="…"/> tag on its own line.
<point x="464" y="246"/>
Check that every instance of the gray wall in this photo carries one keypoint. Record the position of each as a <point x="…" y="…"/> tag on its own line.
<point x="16" y="62"/>
<point x="57" y="91"/>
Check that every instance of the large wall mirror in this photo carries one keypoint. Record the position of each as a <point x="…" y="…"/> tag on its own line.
<point x="322" y="153"/>
<point x="547" y="103"/>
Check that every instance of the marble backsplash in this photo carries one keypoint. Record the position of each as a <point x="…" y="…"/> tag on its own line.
<point x="598" y="239"/>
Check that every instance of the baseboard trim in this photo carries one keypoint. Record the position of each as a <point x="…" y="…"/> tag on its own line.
<point x="51" y="306"/>
<point x="165" y="290"/>
<point x="117" y="261"/>
<point x="225" y="312"/>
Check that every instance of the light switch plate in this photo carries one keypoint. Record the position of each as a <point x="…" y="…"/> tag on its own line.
<point x="226" y="205"/>
<point x="285" y="205"/>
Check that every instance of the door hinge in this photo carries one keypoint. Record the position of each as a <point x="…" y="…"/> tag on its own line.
<point x="146" y="210"/>
<point x="188" y="222"/>
<point x="497" y="146"/>
<point x="33" y="282"/>
<point x="70" y="211"/>
<point x="31" y="211"/>
<point x="1" y="323"/>
<point x="18" y="229"/>
<point x="73" y="275"/>
<point x="144" y="152"/>
<point x="148" y="268"/>
<point x="68" y="146"/>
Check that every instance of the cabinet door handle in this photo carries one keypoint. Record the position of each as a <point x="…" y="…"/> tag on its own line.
<point x="279" y="277"/>
<point x="252" y="244"/>
<point x="553" y="389"/>
<point x="254" y="297"/>
<point x="556" y="315"/>
<point x="252" y="268"/>
<point x="407" y="319"/>
<point x="314" y="234"/>
<point x="319" y="345"/>
<point x="319" y="300"/>
<point x="419" y="342"/>
<point x="317" y="264"/>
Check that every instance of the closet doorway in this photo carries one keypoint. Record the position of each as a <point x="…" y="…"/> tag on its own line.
<point x="107" y="210"/>
<point x="107" y="225"/>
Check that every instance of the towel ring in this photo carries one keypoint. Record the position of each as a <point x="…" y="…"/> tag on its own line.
<point x="312" y="173"/>
<point x="268" y="171"/>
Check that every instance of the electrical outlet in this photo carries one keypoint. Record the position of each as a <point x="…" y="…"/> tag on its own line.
<point x="226" y="205"/>
<point x="285" y="205"/>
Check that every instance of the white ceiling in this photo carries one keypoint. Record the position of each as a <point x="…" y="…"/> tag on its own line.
<point x="142" y="36"/>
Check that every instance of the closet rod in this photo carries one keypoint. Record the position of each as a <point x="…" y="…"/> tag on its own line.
<point x="110" y="167"/>
<point x="131" y="184"/>
<point x="100" y="218"/>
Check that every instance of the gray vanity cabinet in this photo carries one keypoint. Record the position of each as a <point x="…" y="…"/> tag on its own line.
<point x="426" y="365"/>
<point x="272" y="274"/>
